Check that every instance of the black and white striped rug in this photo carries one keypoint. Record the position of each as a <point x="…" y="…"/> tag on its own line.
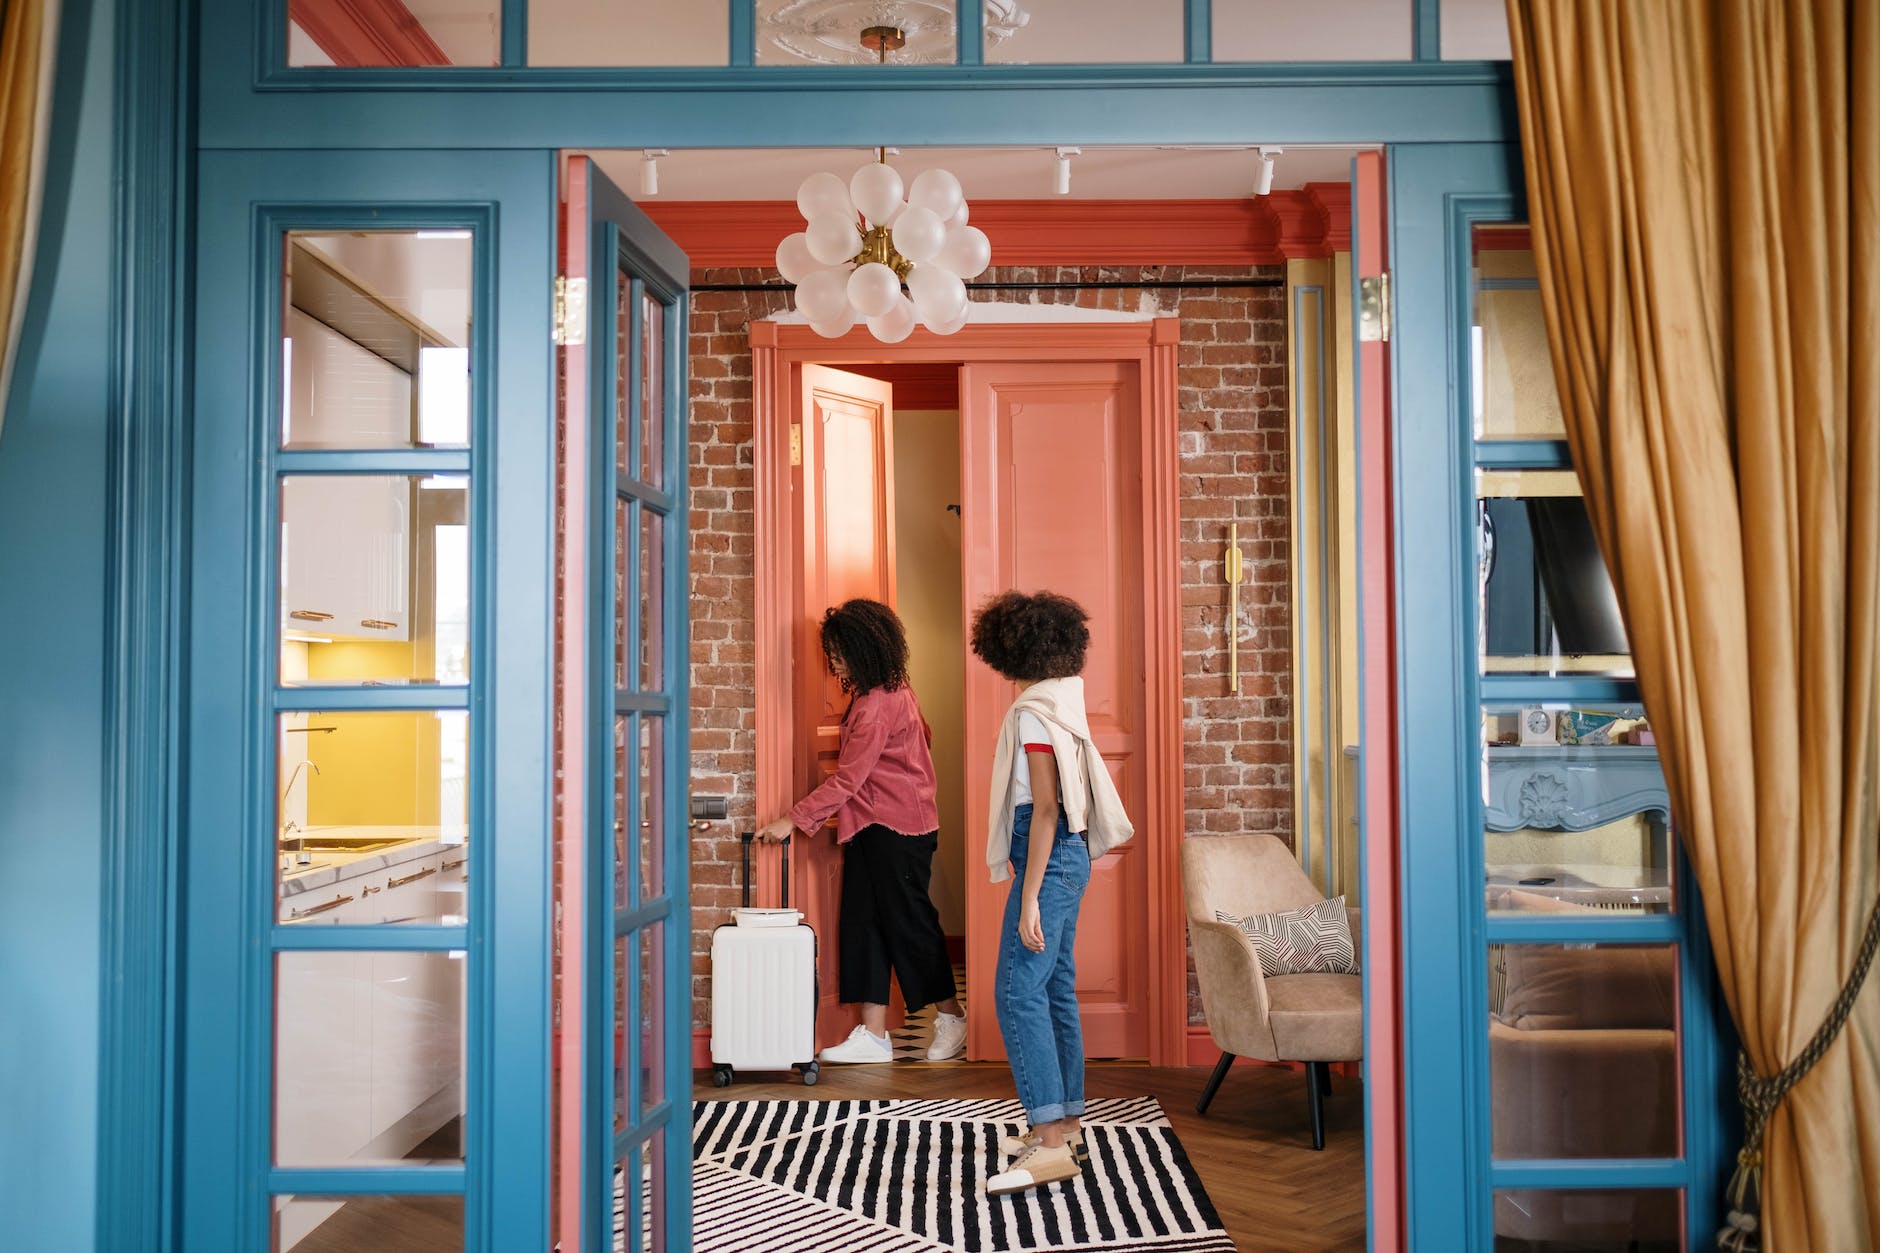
<point x="909" y="1177"/>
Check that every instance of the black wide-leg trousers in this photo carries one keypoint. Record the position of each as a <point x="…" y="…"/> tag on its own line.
<point x="889" y="924"/>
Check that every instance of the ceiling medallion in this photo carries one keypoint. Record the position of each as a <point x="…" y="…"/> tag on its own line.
<point x="822" y="32"/>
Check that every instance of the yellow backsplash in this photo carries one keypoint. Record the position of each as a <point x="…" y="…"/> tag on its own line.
<point x="375" y="768"/>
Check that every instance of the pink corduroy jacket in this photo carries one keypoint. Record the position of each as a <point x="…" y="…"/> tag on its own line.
<point x="884" y="774"/>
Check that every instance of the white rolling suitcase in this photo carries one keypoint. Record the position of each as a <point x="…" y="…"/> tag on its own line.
<point x="763" y="987"/>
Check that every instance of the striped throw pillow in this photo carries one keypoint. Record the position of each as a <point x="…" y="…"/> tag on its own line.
<point x="1311" y="941"/>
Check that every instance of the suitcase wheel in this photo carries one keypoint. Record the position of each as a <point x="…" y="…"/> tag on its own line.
<point x="811" y="1072"/>
<point x="721" y="1076"/>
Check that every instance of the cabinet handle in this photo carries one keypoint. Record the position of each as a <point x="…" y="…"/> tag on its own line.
<point x="368" y="890"/>
<point x="411" y="878"/>
<point x="310" y="615"/>
<point x="378" y="624"/>
<point x="311" y="910"/>
<point x="452" y="865"/>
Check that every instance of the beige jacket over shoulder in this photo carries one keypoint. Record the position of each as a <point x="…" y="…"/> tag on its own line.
<point x="1087" y="792"/>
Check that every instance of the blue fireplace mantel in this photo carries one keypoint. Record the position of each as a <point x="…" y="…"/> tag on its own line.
<point x="1574" y="787"/>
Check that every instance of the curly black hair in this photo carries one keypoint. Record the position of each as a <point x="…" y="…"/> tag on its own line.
<point x="870" y="639"/>
<point x="1032" y="637"/>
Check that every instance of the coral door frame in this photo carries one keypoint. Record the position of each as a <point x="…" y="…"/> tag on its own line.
<point x="777" y="350"/>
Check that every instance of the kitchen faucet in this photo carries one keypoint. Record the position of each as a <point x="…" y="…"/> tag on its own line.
<point x="300" y="840"/>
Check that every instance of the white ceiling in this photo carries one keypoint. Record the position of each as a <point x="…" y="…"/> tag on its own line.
<point x="986" y="173"/>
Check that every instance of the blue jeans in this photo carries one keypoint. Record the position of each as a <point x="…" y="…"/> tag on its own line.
<point x="1036" y="993"/>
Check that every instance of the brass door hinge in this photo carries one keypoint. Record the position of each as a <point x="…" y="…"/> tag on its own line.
<point x="796" y="443"/>
<point x="570" y="311"/>
<point x="1374" y="308"/>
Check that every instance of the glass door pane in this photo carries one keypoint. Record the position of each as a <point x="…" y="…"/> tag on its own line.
<point x="1644" y="1220"/>
<point x="1041" y="32"/>
<point x="1577" y="818"/>
<point x="427" y="32"/>
<point x="1328" y="30"/>
<point x="1583" y="1052"/>
<point x="344" y="887"/>
<point x="1512" y="369"/>
<point x="646" y="32"/>
<point x="637" y="992"/>
<point x="371" y="821"/>
<point x="1588" y="1001"/>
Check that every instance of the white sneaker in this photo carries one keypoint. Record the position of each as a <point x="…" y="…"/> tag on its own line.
<point x="949" y="1037"/>
<point x="1036" y="1165"/>
<point x="861" y="1047"/>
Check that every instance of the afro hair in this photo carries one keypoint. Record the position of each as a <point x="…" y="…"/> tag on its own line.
<point x="1032" y="637"/>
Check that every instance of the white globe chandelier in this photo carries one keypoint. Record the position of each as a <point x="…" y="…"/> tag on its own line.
<point x="864" y="239"/>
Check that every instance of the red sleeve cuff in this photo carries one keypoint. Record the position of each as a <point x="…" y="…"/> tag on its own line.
<point x="1039" y="748"/>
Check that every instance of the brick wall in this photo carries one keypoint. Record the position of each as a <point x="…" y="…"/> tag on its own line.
<point x="1237" y="749"/>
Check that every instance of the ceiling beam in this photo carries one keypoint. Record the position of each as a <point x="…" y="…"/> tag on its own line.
<point x="1314" y="221"/>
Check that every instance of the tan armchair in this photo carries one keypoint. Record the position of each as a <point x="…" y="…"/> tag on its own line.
<point x="1313" y="1019"/>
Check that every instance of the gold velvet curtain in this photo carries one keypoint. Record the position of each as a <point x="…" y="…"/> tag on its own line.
<point x="27" y="38"/>
<point x="1704" y="185"/>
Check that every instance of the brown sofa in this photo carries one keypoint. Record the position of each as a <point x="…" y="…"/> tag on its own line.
<point x="1313" y="1019"/>
<point x="1583" y="1063"/>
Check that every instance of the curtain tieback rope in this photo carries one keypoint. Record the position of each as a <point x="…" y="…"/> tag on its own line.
<point x="1742" y="1232"/>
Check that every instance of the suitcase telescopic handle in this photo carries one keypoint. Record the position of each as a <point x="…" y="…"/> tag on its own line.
<point x="748" y="837"/>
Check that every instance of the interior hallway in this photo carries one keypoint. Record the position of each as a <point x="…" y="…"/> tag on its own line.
<point x="1253" y="1150"/>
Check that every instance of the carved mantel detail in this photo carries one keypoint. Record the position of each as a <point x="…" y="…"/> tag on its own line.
<point x="1574" y="788"/>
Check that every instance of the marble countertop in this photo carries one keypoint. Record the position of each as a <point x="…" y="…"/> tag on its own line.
<point x="330" y="868"/>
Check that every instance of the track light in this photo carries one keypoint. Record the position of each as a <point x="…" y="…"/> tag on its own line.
<point x="1263" y="181"/>
<point x="649" y="170"/>
<point x="1063" y="182"/>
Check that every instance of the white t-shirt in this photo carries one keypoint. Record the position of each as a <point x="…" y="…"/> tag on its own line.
<point x="1032" y="737"/>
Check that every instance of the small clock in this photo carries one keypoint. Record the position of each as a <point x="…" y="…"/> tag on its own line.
<point x="1537" y="726"/>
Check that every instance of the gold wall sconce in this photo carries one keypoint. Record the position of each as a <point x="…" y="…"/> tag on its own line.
<point x="1234" y="571"/>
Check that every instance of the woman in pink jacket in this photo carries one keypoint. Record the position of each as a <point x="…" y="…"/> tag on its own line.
<point x="882" y="797"/>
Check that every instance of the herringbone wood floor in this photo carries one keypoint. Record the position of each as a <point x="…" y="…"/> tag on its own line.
<point x="1253" y="1150"/>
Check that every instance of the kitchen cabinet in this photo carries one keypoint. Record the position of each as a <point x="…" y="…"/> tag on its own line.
<point x="369" y="1044"/>
<point x="339" y="393"/>
<point x="351" y="365"/>
<point x="346" y="555"/>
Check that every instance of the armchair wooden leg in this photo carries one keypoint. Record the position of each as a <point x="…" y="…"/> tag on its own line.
<point x="1317" y="1080"/>
<point x="1214" y="1083"/>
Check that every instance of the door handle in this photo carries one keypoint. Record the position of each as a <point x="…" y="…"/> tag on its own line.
<point x="411" y="878"/>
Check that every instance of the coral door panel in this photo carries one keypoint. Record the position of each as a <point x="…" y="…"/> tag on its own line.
<point x="1052" y="457"/>
<point x="845" y="516"/>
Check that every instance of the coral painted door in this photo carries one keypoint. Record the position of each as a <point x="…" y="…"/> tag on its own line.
<point x="845" y="520"/>
<point x="1052" y="480"/>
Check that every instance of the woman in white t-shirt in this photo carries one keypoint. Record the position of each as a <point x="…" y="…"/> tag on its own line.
<point x="1053" y="810"/>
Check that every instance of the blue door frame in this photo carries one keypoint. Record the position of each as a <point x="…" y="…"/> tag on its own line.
<point x="1439" y="192"/>
<point x="264" y="137"/>
<point x="250" y="201"/>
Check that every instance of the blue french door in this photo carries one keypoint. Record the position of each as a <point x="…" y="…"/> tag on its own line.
<point x="365" y="941"/>
<point x="637" y="1070"/>
<point x="1561" y="1020"/>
